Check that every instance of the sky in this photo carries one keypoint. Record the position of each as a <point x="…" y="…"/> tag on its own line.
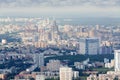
<point x="61" y="8"/>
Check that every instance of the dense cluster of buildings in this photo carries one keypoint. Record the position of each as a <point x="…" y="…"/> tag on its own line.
<point x="46" y="33"/>
<point x="110" y="75"/>
<point x="41" y="39"/>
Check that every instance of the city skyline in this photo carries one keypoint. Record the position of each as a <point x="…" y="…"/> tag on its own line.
<point x="61" y="8"/>
<point x="59" y="39"/>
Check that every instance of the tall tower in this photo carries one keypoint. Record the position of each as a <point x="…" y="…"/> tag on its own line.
<point x="117" y="60"/>
<point x="54" y="26"/>
<point x="54" y="30"/>
<point x="66" y="73"/>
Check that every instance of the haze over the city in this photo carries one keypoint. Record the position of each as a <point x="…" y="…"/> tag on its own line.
<point x="61" y="8"/>
<point x="59" y="39"/>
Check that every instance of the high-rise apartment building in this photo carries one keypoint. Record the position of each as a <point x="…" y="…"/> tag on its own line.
<point x="53" y="65"/>
<point x="89" y="46"/>
<point x="66" y="73"/>
<point x="39" y="59"/>
<point x="117" y="60"/>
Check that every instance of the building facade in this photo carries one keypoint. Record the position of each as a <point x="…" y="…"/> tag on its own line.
<point x="89" y="46"/>
<point x="53" y="65"/>
<point x="66" y="73"/>
<point x="39" y="59"/>
<point x="117" y="60"/>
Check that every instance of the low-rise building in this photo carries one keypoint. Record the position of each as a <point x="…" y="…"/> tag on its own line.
<point x="79" y="65"/>
<point x="92" y="77"/>
<point x="110" y="75"/>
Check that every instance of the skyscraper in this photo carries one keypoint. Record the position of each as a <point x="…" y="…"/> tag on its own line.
<point x="66" y="73"/>
<point x="54" y="31"/>
<point x="54" y="26"/>
<point x="89" y="46"/>
<point x="39" y="59"/>
<point x="117" y="60"/>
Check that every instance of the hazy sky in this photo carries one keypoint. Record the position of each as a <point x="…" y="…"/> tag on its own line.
<point x="64" y="8"/>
